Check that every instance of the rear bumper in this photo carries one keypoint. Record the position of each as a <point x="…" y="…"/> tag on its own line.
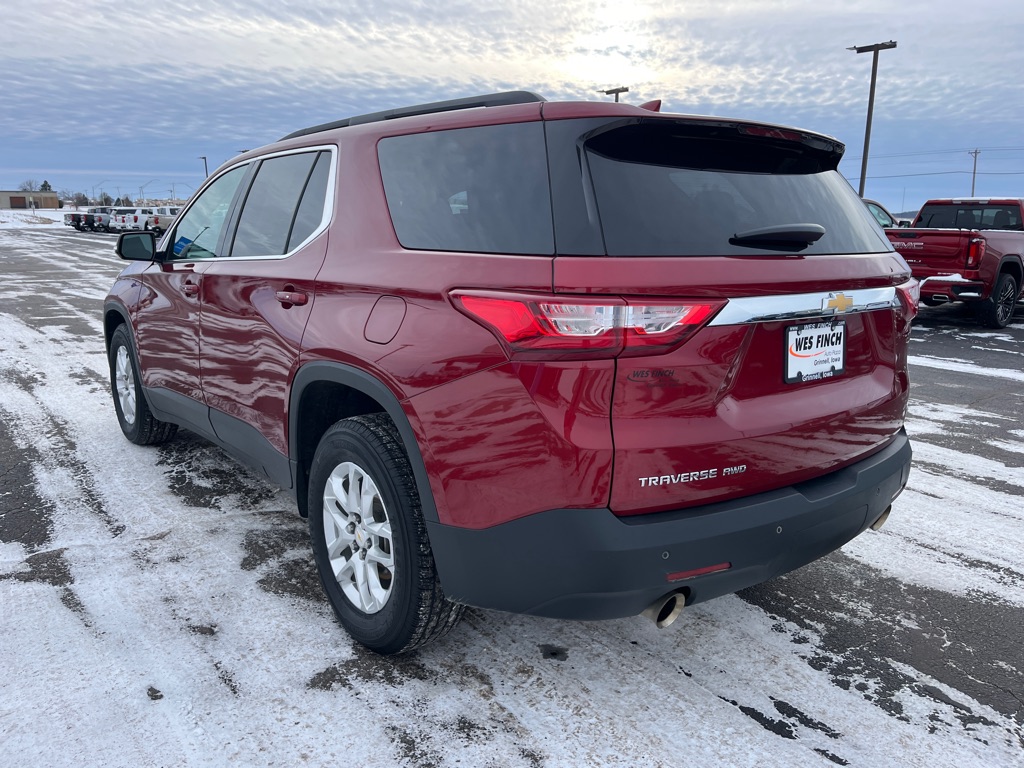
<point x="590" y="564"/>
<point x="952" y="288"/>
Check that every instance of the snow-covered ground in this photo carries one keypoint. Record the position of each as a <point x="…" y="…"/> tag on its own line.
<point x="39" y="218"/>
<point x="159" y="606"/>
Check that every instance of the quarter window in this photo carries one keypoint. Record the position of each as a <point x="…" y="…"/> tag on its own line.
<point x="482" y="190"/>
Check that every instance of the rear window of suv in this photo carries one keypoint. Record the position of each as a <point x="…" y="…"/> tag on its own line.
<point x="684" y="188"/>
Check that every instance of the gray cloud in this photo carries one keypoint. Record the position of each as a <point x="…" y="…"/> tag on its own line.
<point x="238" y="73"/>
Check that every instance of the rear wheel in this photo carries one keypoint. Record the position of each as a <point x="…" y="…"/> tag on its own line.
<point x="997" y="310"/>
<point x="369" y="539"/>
<point x="136" y="420"/>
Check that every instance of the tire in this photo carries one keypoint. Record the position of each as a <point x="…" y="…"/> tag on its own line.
<point x="370" y="542"/>
<point x="997" y="310"/>
<point x="133" y="415"/>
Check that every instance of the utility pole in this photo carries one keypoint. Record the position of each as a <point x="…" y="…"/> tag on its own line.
<point x="874" y="49"/>
<point x="974" y="173"/>
<point x="616" y="92"/>
<point x="205" y="169"/>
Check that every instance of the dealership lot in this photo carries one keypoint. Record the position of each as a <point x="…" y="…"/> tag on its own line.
<point x="160" y="606"/>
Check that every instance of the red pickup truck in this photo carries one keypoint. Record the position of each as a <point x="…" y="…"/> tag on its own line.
<point x="968" y="249"/>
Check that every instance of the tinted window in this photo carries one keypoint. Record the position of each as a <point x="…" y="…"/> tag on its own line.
<point x="271" y="204"/>
<point x="976" y="216"/>
<point x="311" y="208"/>
<point x="198" y="230"/>
<point x="663" y="188"/>
<point x="471" y="189"/>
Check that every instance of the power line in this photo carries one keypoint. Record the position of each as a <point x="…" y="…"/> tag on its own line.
<point x="940" y="152"/>
<point x="942" y="173"/>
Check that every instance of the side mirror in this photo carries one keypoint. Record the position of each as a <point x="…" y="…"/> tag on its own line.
<point x="136" y="246"/>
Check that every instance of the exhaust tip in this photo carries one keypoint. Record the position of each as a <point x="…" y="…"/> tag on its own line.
<point x="665" y="610"/>
<point x="881" y="519"/>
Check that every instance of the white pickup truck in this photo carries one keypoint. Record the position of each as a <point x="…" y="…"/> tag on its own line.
<point x="162" y="218"/>
<point x="130" y="218"/>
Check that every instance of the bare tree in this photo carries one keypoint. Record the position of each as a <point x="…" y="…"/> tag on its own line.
<point x="29" y="185"/>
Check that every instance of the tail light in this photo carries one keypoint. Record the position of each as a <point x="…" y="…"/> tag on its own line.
<point x="135" y="218"/>
<point x="156" y="221"/>
<point x="553" y="327"/>
<point x="975" y="251"/>
<point x="910" y="294"/>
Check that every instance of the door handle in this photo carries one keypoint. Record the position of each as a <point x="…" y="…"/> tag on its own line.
<point x="292" y="298"/>
<point x="190" y="289"/>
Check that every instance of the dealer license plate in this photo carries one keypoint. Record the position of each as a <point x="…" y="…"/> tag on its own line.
<point x="815" y="352"/>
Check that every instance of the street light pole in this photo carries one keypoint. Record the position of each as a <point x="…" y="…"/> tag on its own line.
<point x="142" y="190"/>
<point x="615" y="92"/>
<point x="105" y="181"/>
<point x="874" y="49"/>
<point x="205" y="169"/>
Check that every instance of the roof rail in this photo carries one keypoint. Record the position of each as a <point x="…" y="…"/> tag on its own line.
<point x="487" y="100"/>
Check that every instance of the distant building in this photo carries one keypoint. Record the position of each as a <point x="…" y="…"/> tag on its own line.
<point x="27" y="200"/>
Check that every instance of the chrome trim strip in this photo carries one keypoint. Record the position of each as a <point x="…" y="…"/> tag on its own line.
<point x="757" y="309"/>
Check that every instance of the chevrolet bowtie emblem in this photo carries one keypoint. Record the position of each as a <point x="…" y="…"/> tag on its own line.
<point x="837" y="302"/>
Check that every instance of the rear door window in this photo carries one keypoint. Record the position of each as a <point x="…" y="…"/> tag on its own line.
<point x="270" y="208"/>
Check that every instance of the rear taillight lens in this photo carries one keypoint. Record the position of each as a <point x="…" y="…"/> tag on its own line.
<point x="135" y="218"/>
<point x="910" y="294"/>
<point x="553" y="327"/>
<point x="975" y="251"/>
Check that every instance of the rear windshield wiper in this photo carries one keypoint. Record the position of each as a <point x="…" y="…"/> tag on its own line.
<point x="782" y="237"/>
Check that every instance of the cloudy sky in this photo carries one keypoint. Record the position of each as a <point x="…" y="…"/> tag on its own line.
<point x="121" y="96"/>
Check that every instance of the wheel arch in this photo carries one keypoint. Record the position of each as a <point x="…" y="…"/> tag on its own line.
<point x="1015" y="267"/>
<point x="114" y="315"/>
<point x="324" y="392"/>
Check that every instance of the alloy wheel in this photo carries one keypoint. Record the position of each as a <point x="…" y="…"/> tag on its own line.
<point x="124" y="382"/>
<point x="358" y="535"/>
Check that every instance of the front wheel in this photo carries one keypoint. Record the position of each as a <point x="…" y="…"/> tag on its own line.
<point x="370" y="541"/>
<point x="997" y="310"/>
<point x="133" y="415"/>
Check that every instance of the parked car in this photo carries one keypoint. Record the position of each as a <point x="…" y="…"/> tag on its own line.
<point x="119" y="218"/>
<point x="575" y="360"/>
<point x="970" y="250"/>
<point x="98" y="219"/>
<point x="161" y="219"/>
<point x="885" y="219"/>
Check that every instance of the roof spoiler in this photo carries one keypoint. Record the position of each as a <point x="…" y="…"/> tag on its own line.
<point x="487" y="100"/>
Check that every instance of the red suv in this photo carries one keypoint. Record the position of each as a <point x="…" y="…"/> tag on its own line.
<point x="577" y="360"/>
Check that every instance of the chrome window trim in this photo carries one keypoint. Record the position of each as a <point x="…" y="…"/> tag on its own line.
<point x="325" y="220"/>
<point x="757" y="309"/>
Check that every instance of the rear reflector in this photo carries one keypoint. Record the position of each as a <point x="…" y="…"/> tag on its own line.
<point x="547" y="327"/>
<point x="681" y="575"/>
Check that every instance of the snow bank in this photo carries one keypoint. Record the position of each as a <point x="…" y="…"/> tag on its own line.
<point x="43" y="217"/>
